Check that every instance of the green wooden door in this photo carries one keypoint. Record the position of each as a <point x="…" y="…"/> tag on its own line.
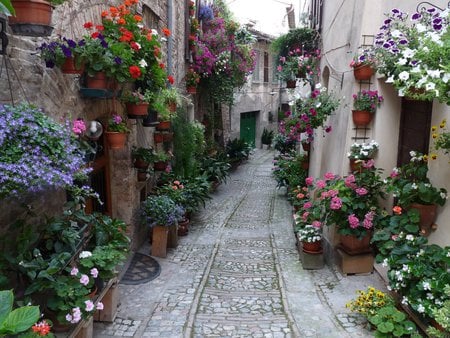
<point x="248" y="127"/>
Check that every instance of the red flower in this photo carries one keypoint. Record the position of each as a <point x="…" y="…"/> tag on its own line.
<point x="126" y="36"/>
<point x="41" y="328"/>
<point x="397" y="210"/>
<point x="156" y="51"/>
<point x="121" y="21"/>
<point x="134" y="45"/>
<point x="138" y="18"/>
<point x="166" y="32"/>
<point x="135" y="72"/>
<point x="100" y="28"/>
<point x="104" y="14"/>
<point x="162" y="65"/>
<point x="95" y="35"/>
<point x="171" y="79"/>
<point x="88" y="25"/>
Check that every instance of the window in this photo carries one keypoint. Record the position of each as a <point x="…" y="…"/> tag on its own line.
<point x="256" y="76"/>
<point x="150" y="18"/>
<point x="266" y="67"/>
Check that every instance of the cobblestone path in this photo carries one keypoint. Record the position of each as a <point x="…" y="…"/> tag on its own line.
<point x="237" y="274"/>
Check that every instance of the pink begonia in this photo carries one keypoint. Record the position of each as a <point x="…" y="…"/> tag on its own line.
<point x="353" y="221"/>
<point x="100" y="306"/>
<point x="329" y="176"/>
<point x="316" y="224"/>
<point x="307" y="205"/>
<point x="320" y="184"/>
<point x="361" y="191"/>
<point x="84" y="280"/>
<point x="89" y="305"/>
<point x="368" y="220"/>
<point x="74" y="271"/>
<point x="94" y="272"/>
<point x="336" y="203"/>
<point x="300" y="195"/>
<point x="328" y="129"/>
<point x="368" y="164"/>
<point x="79" y="127"/>
<point x="75" y="316"/>
<point x="305" y="215"/>
<point x="309" y="180"/>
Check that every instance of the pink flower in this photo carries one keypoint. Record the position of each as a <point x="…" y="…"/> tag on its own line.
<point x="74" y="271"/>
<point x="307" y="205"/>
<point x="117" y="119"/>
<point x="305" y="215"/>
<point x="328" y="176"/>
<point x="361" y="191"/>
<point x="368" y="164"/>
<point x="89" y="305"/>
<point x="94" y="272"/>
<point x="321" y="184"/>
<point x="300" y="195"/>
<point x="309" y="181"/>
<point x="316" y="224"/>
<point x="350" y="181"/>
<point x="394" y="173"/>
<point x="176" y="182"/>
<point x="328" y="129"/>
<point x="336" y="203"/>
<point x="353" y="221"/>
<point x="368" y="220"/>
<point x="79" y="127"/>
<point x="84" y="280"/>
<point x="279" y="68"/>
<point x="100" y="306"/>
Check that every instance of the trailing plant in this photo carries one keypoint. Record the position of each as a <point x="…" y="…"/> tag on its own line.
<point x="307" y="37"/>
<point x="267" y="136"/>
<point x="145" y="154"/>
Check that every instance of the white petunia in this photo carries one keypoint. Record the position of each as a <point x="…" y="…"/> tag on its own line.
<point x="401" y="92"/>
<point x="421" y="28"/>
<point x="408" y="53"/>
<point x="396" y="33"/>
<point x="446" y="77"/>
<point x="402" y="61"/>
<point x="390" y="79"/>
<point x="421" y="308"/>
<point x="85" y="254"/>
<point x="434" y="74"/>
<point x="430" y="86"/>
<point x="403" y="76"/>
<point x="143" y="63"/>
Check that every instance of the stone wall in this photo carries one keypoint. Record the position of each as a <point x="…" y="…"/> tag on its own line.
<point x="58" y="95"/>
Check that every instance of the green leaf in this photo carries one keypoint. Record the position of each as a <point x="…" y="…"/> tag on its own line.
<point x="6" y="303"/>
<point x="6" y="7"/>
<point x="385" y="327"/>
<point x="21" y="319"/>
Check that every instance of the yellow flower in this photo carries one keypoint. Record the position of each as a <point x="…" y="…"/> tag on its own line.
<point x="443" y="123"/>
<point x="434" y="135"/>
<point x="433" y="128"/>
<point x="425" y="157"/>
<point x="433" y="156"/>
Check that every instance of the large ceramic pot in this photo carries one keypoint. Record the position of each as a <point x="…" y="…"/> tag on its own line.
<point x="352" y="245"/>
<point x="363" y="72"/>
<point x="428" y="214"/>
<point x="361" y="118"/>
<point x="32" y="18"/>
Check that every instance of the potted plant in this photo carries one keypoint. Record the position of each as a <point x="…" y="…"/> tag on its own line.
<point x="311" y="237"/>
<point x="441" y="137"/>
<point x="63" y="53"/>
<point x="142" y="157"/>
<point x="164" y="114"/>
<point x="361" y="152"/>
<point x="191" y="8"/>
<point x="365" y="104"/>
<point x="192" y="79"/>
<point x="137" y="102"/>
<point x="413" y="189"/>
<point x="159" y="212"/>
<point x="116" y="133"/>
<point x="171" y="97"/>
<point x="363" y="64"/>
<point x="267" y="137"/>
<point x="161" y="160"/>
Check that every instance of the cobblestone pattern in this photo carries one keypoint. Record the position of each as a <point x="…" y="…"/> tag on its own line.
<point x="235" y="283"/>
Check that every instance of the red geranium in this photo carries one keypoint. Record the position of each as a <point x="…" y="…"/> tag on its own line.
<point x="135" y="72"/>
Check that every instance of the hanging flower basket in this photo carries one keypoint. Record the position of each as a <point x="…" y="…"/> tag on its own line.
<point x="69" y="67"/>
<point x="116" y="140"/>
<point x="363" y="72"/>
<point x="291" y="83"/>
<point x="139" y="163"/>
<point x="137" y="110"/>
<point x="361" y="118"/>
<point x="306" y="146"/>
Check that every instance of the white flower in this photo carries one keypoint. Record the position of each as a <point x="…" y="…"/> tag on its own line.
<point x="385" y="262"/>
<point x="421" y="28"/>
<point x="446" y="77"/>
<point x="396" y="33"/>
<point x="412" y="153"/>
<point x="154" y="31"/>
<point x="390" y="79"/>
<point x="401" y="92"/>
<point x="403" y="76"/>
<point x="414" y="186"/>
<point x="421" y="308"/>
<point x="434" y="74"/>
<point x="430" y="86"/>
<point x="143" y="63"/>
<point x="430" y="295"/>
<point x="426" y="285"/>
<point x="443" y="195"/>
<point x="85" y="254"/>
<point x="416" y="69"/>
<point x="318" y="86"/>
<point x="405" y="301"/>
<point x="409" y="237"/>
<point x="408" y="53"/>
<point x="402" y="61"/>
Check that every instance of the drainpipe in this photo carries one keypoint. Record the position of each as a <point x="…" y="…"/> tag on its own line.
<point x="170" y="40"/>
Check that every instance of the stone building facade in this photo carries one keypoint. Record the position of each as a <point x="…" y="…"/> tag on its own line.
<point x="25" y="78"/>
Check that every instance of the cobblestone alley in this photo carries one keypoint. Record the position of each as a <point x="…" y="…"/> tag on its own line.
<point x="238" y="274"/>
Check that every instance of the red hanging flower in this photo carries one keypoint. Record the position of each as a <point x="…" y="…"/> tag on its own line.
<point x="135" y="72"/>
<point x="166" y="32"/>
<point x="88" y="25"/>
<point x="171" y="79"/>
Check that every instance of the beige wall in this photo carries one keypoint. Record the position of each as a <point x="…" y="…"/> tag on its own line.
<point x="341" y="36"/>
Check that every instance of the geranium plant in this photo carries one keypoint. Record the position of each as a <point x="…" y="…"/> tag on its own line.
<point x="298" y="64"/>
<point x="192" y="78"/>
<point x="410" y="184"/>
<point x="363" y="151"/>
<point x="367" y="100"/>
<point x="412" y="53"/>
<point x="118" y="124"/>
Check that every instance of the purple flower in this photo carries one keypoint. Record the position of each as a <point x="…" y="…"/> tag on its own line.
<point x="117" y="119"/>
<point x="416" y="16"/>
<point x="117" y="60"/>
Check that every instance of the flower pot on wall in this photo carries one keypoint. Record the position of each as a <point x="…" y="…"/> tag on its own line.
<point x="361" y="118"/>
<point x="160" y="234"/>
<point x="136" y="110"/>
<point x="139" y="163"/>
<point x="116" y="140"/>
<point x="291" y="83"/>
<point x="163" y="125"/>
<point x="69" y="67"/>
<point x="354" y="246"/>
<point x="32" y="18"/>
<point x="363" y="72"/>
<point x="428" y="214"/>
<point x="191" y="90"/>
<point x="97" y="81"/>
<point x="160" y="166"/>
<point x="158" y="137"/>
<point x="306" y="146"/>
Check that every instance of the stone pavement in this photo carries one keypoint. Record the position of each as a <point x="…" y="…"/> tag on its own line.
<point x="238" y="274"/>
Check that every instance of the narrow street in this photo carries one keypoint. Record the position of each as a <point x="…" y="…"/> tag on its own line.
<point x="238" y="274"/>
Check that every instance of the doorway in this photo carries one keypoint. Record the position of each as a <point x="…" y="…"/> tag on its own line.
<point x="248" y="127"/>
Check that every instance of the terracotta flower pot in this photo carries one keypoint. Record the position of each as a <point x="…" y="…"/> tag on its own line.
<point x="306" y="146"/>
<point x="363" y="72"/>
<point x="167" y="137"/>
<point x="291" y="84"/>
<point x="172" y="107"/>
<point x="428" y="214"/>
<point x="69" y="67"/>
<point x="312" y="247"/>
<point x="158" y="137"/>
<point x="32" y="18"/>
<point x="353" y="246"/>
<point x="163" y="125"/>
<point x="361" y="118"/>
<point x="183" y="227"/>
<point x="116" y="140"/>
<point x="139" y="163"/>
<point x="98" y="81"/>
<point x="137" y="110"/>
